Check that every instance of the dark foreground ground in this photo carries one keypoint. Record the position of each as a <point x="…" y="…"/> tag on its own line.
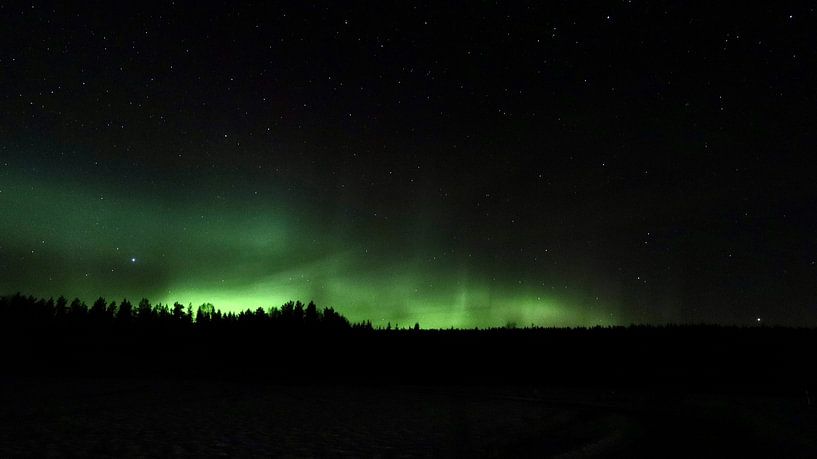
<point x="171" y="417"/>
<point x="247" y="389"/>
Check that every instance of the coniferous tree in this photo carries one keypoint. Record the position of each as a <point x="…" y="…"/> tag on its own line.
<point x="61" y="308"/>
<point x="111" y="312"/>
<point x="78" y="309"/>
<point x="144" y="311"/>
<point x="287" y="311"/>
<point x="311" y="314"/>
<point x="48" y="312"/>
<point x="178" y="312"/>
<point x="161" y="313"/>
<point x="298" y="313"/>
<point x="99" y="309"/>
<point x="125" y="312"/>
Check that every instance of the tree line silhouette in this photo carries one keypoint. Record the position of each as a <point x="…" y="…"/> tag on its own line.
<point x="299" y="342"/>
<point x="21" y="311"/>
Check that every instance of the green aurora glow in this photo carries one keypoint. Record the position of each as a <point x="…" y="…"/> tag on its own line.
<point x="72" y="238"/>
<point x="401" y="163"/>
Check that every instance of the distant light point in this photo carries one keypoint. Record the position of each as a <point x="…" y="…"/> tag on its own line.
<point x="133" y="260"/>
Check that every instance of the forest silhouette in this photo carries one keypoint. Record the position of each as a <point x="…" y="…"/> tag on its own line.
<point x="27" y="311"/>
<point x="303" y="343"/>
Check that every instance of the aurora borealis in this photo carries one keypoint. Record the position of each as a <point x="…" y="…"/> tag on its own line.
<point x="253" y="254"/>
<point x="530" y="164"/>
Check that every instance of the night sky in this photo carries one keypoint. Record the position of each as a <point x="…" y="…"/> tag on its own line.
<point x="545" y="163"/>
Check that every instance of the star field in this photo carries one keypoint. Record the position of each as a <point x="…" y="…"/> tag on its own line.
<point x="554" y="164"/>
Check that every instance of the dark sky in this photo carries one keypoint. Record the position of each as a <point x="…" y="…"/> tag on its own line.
<point x="546" y="163"/>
